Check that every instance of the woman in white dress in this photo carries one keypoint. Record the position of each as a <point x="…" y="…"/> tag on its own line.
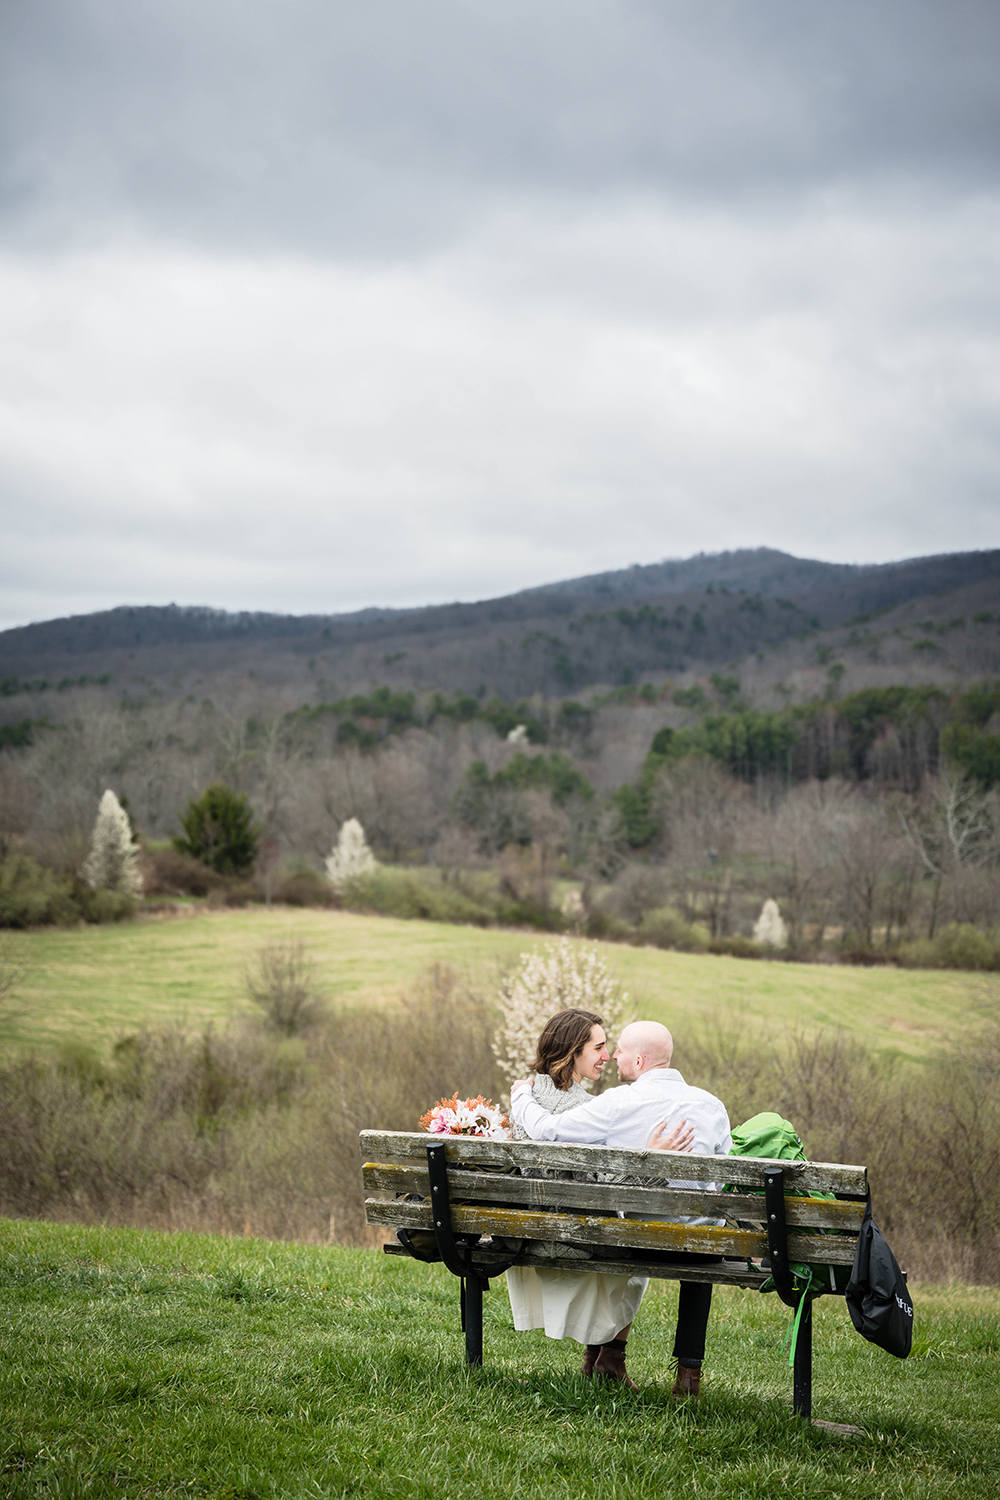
<point x="594" y="1309"/>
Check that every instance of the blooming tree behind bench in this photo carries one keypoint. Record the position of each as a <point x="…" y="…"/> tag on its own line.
<point x="565" y="974"/>
<point x="350" y="857"/>
<point x="113" y="861"/>
<point x="769" y="929"/>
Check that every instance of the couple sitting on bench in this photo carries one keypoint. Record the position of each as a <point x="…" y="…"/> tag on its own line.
<point x="658" y="1111"/>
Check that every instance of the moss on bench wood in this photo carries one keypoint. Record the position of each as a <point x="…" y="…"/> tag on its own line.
<point x="625" y="1234"/>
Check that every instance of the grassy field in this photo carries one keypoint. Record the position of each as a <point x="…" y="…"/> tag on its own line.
<point x="137" y="1364"/>
<point x="99" y="982"/>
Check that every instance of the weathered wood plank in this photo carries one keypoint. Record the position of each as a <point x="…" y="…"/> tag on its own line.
<point x="728" y="1273"/>
<point x="653" y="1167"/>
<point x="592" y="1229"/>
<point x="609" y="1198"/>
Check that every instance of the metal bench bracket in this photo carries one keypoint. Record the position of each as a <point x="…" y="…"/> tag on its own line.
<point x="457" y="1255"/>
<point x="784" y="1283"/>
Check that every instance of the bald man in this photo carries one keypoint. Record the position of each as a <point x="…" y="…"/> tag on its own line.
<point x="628" y="1119"/>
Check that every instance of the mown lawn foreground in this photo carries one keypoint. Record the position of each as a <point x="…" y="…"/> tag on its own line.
<point x="146" y="1365"/>
<point x="95" y="983"/>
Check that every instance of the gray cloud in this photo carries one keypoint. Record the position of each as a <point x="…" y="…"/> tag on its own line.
<point x="379" y="126"/>
<point x="312" y="305"/>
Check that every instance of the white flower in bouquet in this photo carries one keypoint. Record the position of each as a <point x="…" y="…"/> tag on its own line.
<point x="455" y="1116"/>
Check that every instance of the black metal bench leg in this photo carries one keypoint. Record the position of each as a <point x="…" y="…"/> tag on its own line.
<point x="802" y="1372"/>
<point x="472" y="1306"/>
<point x="457" y="1256"/>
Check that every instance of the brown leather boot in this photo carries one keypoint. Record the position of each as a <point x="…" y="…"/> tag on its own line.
<point x="590" y="1354"/>
<point x="610" y="1364"/>
<point x="688" y="1383"/>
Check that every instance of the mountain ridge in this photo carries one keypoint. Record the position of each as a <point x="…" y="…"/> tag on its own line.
<point x="602" y="630"/>
<point x="754" y="570"/>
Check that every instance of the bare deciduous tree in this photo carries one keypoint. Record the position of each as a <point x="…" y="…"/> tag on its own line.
<point x="17" y="799"/>
<point x="866" y="844"/>
<point x="13" y="967"/>
<point x="282" y="984"/>
<point x="954" y="831"/>
<point x="706" y="818"/>
<point x="795" y="841"/>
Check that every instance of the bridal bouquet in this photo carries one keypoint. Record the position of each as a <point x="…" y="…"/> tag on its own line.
<point x="457" y="1116"/>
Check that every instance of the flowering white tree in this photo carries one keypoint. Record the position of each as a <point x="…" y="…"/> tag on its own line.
<point x="769" y="929"/>
<point x="566" y="974"/>
<point x="574" y="910"/>
<point x="113" y="861"/>
<point x="350" y="856"/>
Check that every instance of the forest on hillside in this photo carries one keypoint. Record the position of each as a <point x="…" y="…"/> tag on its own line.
<point x="650" y="813"/>
<point x="651" y="755"/>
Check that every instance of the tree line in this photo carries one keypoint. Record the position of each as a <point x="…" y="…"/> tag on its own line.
<point x="871" y="819"/>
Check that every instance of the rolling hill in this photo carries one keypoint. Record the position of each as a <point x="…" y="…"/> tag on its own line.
<point x="780" y="622"/>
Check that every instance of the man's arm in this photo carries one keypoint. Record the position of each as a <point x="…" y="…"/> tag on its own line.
<point x="586" y="1126"/>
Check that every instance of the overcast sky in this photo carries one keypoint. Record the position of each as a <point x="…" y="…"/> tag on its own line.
<point x="307" y="305"/>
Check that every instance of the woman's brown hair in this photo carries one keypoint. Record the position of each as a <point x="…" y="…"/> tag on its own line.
<point x="562" y="1039"/>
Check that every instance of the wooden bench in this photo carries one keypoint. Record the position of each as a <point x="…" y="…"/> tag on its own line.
<point x="467" y="1192"/>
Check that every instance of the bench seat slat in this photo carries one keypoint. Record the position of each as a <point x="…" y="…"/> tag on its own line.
<point x="730" y="1273"/>
<point x="640" y="1234"/>
<point x="608" y="1198"/>
<point x="807" y="1177"/>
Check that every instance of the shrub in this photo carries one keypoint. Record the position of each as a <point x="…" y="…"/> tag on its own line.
<point x="101" y="906"/>
<point x="931" y="1144"/>
<point x="218" y="830"/>
<point x="168" y="872"/>
<point x="233" y="893"/>
<point x="415" y="894"/>
<point x="31" y="895"/>
<point x="246" y="1131"/>
<point x="601" y="924"/>
<point x="668" y="929"/>
<point x="735" y="945"/>
<point x="283" y="985"/>
<point x="958" y="946"/>
<point x="522" y="903"/>
<point x="305" y="888"/>
<point x="13" y="967"/>
<point x="240" y="1130"/>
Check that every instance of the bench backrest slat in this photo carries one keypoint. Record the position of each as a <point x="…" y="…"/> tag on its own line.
<point x="636" y="1234"/>
<point x="650" y="1166"/>
<point x="609" y="1198"/>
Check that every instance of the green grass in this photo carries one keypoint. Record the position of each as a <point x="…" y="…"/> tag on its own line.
<point x="138" y="1364"/>
<point x="97" y="982"/>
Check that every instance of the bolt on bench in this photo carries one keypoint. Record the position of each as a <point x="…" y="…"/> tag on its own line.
<point x="470" y="1193"/>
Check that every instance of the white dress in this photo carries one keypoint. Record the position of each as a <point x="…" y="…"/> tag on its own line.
<point x="588" y="1306"/>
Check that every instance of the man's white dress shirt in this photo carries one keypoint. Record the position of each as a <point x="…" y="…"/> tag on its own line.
<point x="626" y="1117"/>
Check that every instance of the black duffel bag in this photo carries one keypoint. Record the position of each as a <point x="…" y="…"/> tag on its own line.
<point x="878" y="1298"/>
